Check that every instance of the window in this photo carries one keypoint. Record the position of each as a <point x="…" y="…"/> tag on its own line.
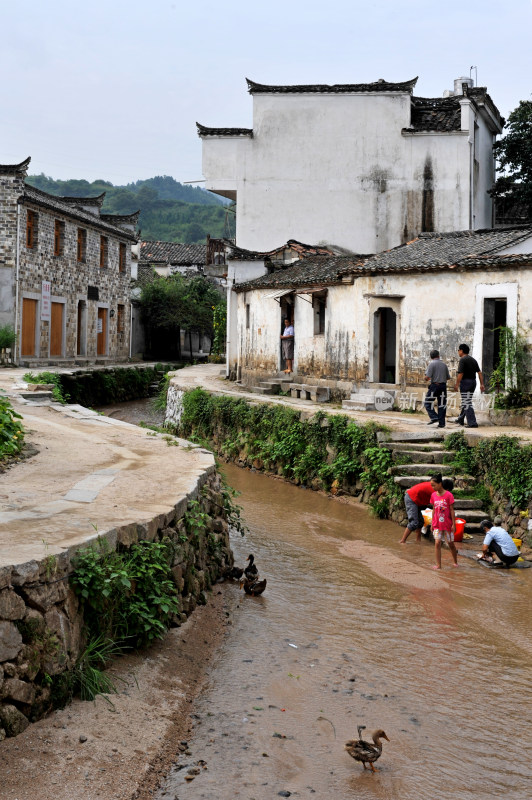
<point x="103" y="251"/>
<point x="31" y="229"/>
<point x="319" y="304"/>
<point x="59" y="237"/>
<point x="120" y="319"/>
<point x="247" y="315"/>
<point x="122" y="257"/>
<point x="82" y="244"/>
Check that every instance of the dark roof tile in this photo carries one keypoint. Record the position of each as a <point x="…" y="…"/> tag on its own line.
<point x="173" y="253"/>
<point x="204" y="131"/>
<point x="338" y="88"/>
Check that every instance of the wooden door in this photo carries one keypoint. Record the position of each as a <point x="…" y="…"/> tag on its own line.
<point x="29" y="327"/>
<point x="101" y="349"/>
<point x="56" y="330"/>
<point x="79" y="329"/>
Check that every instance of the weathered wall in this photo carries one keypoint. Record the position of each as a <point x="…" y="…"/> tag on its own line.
<point x="339" y="168"/>
<point x="434" y="310"/>
<point x="11" y="187"/>
<point x="70" y="280"/>
<point x="41" y="619"/>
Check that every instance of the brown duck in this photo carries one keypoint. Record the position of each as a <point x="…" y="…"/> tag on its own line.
<point x="253" y="586"/>
<point x="366" y="752"/>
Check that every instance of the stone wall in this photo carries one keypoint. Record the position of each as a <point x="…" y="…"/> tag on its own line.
<point x="41" y="618"/>
<point x="70" y="280"/>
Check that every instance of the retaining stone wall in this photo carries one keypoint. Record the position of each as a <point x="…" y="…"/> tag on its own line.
<point x="41" y="618"/>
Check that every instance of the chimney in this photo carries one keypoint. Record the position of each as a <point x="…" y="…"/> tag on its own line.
<point x="458" y="87"/>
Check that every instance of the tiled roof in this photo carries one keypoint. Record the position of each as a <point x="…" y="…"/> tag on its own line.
<point x="121" y="219"/>
<point x="304" y="250"/>
<point x="456" y="249"/>
<point x="84" y="201"/>
<point x="173" y="253"/>
<point x="337" y="88"/>
<point x="15" y="169"/>
<point x="318" y="270"/>
<point x="204" y="131"/>
<point x="37" y="197"/>
<point x="435" y="114"/>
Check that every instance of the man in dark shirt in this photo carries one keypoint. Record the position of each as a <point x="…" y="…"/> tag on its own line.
<point x="437" y="376"/>
<point x="468" y="369"/>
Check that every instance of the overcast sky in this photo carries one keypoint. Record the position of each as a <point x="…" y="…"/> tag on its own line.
<point x="112" y="89"/>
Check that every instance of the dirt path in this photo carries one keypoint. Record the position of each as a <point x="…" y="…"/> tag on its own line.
<point x="120" y="751"/>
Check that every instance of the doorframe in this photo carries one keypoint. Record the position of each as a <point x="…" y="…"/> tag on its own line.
<point x="392" y="302"/>
<point x="107" y="307"/>
<point x="62" y="300"/>
<point x="31" y="296"/>
<point x="488" y="291"/>
<point x="82" y="298"/>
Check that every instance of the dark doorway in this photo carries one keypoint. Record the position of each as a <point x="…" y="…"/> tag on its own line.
<point x="287" y="312"/>
<point x="495" y="310"/>
<point x="384" y="345"/>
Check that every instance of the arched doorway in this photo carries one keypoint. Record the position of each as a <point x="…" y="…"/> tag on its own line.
<point x="384" y="345"/>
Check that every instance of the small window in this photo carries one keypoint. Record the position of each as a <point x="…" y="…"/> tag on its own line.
<point x="31" y="229"/>
<point x="120" y="319"/>
<point x="93" y="293"/>
<point x="122" y="257"/>
<point x="319" y="304"/>
<point x="103" y="251"/>
<point x="247" y="315"/>
<point x="59" y="237"/>
<point x="82" y="244"/>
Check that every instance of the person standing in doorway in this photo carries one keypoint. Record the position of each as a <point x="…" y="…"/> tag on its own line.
<point x="287" y="344"/>
<point x="465" y="383"/>
<point x="437" y="375"/>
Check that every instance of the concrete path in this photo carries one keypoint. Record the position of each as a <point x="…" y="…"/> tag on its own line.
<point x="92" y="474"/>
<point x="212" y="378"/>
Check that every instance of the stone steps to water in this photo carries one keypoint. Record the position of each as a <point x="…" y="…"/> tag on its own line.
<point x="406" y="481"/>
<point x="417" y="446"/>
<point x="416" y="436"/>
<point x="420" y="469"/>
<point x="422" y="456"/>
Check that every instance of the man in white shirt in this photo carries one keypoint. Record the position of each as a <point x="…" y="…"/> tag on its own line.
<point x="498" y="541"/>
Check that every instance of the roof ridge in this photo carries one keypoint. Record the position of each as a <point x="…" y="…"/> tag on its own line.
<point x="337" y="88"/>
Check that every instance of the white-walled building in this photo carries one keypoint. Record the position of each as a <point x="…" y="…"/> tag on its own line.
<point x="365" y="167"/>
<point x="375" y="320"/>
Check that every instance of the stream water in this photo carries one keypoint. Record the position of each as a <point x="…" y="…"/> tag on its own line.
<point x="355" y="629"/>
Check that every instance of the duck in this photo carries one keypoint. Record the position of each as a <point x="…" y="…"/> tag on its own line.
<point x="366" y="752"/>
<point x="251" y="572"/>
<point x="253" y="587"/>
<point x="234" y="573"/>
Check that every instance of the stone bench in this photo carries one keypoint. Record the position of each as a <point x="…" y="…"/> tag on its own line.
<point x="319" y="394"/>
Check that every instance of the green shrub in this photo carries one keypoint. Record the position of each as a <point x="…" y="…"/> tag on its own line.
<point x="129" y="597"/>
<point x="11" y="430"/>
<point x="8" y="337"/>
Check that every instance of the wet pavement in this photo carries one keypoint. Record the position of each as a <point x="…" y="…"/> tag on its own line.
<point x="355" y="629"/>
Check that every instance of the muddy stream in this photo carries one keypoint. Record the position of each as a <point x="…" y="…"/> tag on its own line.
<point x="355" y="629"/>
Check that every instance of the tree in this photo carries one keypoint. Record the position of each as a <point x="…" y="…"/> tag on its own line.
<point x="514" y="156"/>
<point x="170" y="305"/>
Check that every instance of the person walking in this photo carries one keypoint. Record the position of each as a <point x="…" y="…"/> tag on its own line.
<point x="498" y="541"/>
<point x="443" y="519"/>
<point x="287" y="345"/>
<point x="465" y="383"/>
<point x="437" y="375"/>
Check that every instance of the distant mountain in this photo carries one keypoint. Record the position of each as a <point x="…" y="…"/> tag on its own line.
<point x="169" y="211"/>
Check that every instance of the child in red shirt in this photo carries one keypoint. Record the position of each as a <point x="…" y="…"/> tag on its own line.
<point x="443" y="520"/>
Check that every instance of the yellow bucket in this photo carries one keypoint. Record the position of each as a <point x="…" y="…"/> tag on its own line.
<point x="517" y="542"/>
<point x="427" y="516"/>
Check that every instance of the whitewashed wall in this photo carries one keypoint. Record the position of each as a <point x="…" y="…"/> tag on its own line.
<point x="434" y="310"/>
<point x="339" y="169"/>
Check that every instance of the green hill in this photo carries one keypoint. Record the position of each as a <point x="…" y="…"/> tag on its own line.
<point x="169" y="211"/>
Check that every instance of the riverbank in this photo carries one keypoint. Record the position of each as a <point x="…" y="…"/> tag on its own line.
<point x="119" y="752"/>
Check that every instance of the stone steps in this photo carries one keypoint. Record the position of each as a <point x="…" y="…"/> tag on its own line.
<point x="422" y="437"/>
<point x="420" y="469"/>
<point x="417" y="446"/>
<point x="370" y="400"/>
<point x="319" y="394"/>
<point x="423" y="456"/>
